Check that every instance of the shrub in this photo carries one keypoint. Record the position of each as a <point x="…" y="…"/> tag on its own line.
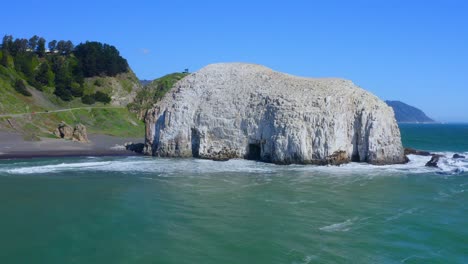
<point x="63" y="93"/>
<point x="76" y="89"/>
<point x="98" y="83"/>
<point x="20" y="87"/>
<point x="88" y="99"/>
<point x="102" y="97"/>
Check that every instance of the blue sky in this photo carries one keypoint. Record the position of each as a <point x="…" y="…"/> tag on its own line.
<point x="413" y="51"/>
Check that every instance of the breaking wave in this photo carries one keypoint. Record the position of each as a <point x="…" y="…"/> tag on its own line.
<point x="447" y="166"/>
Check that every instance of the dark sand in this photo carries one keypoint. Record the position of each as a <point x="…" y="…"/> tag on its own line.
<point x="14" y="146"/>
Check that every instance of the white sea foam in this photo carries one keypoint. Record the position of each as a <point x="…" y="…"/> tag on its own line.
<point x="340" y="227"/>
<point x="56" y="167"/>
<point x="401" y="213"/>
<point x="416" y="165"/>
<point x="173" y="167"/>
<point x="150" y="165"/>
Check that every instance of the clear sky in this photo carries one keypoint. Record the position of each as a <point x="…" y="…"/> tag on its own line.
<point x="410" y="50"/>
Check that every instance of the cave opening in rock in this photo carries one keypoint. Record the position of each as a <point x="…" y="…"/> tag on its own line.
<point x="254" y="152"/>
<point x="195" y="143"/>
<point x="355" y="156"/>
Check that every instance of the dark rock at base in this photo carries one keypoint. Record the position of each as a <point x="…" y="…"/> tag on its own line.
<point x="434" y="160"/>
<point x="458" y="156"/>
<point x="338" y="158"/>
<point x="406" y="159"/>
<point x="223" y="155"/>
<point x="135" y="147"/>
<point x="411" y="151"/>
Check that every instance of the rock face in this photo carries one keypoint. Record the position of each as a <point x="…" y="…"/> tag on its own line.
<point x="411" y="151"/>
<point x="434" y="160"/>
<point x="122" y="88"/>
<point x="80" y="134"/>
<point x="65" y="131"/>
<point x="248" y="111"/>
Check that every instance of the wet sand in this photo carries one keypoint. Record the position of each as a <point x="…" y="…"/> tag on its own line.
<point x="14" y="146"/>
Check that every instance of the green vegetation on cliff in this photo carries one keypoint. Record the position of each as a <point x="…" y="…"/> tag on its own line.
<point x="62" y="68"/>
<point x="36" y="84"/>
<point x="153" y="92"/>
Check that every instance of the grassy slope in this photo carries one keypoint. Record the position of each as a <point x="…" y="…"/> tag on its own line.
<point x="116" y="122"/>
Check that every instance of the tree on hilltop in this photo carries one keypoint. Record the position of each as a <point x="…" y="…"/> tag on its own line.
<point x="32" y="44"/>
<point x="100" y="59"/>
<point x="41" y="51"/>
<point x="65" y="47"/>
<point x="52" y="45"/>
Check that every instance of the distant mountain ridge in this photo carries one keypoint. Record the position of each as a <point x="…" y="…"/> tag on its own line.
<point x="405" y="113"/>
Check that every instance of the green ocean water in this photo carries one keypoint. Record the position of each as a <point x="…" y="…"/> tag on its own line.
<point x="148" y="210"/>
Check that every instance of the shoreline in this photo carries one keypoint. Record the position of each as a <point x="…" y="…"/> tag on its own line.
<point x="66" y="154"/>
<point x="13" y="146"/>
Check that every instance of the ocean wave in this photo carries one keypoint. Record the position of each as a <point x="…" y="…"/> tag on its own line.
<point x="416" y="165"/>
<point x="151" y="165"/>
<point x="401" y="213"/>
<point x="340" y="227"/>
<point x="172" y="167"/>
<point x="57" y="167"/>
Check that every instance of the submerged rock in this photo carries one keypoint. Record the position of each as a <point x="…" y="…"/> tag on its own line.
<point x="434" y="160"/>
<point x="411" y="151"/>
<point x="458" y="156"/>
<point x="239" y="110"/>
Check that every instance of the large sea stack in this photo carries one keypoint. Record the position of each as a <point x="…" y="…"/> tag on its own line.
<point x="237" y="110"/>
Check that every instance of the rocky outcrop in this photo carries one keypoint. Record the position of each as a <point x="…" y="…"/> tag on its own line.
<point x="135" y="147"/>
<point x="434" y="161"/>
<point x="248" y="111"/>
<point x="411" y="151"/>
<point x="458" y="156"/>
<point x="78" y="133"/>
<point x="64" y="131"/>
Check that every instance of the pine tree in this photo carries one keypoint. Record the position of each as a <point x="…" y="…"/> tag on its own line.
<point x="41" y="51"/>
<point x="4" y="60"/>
<point x="44" y="75"/>
<point x="33" y="42"/>
<point x="52" y="45"/>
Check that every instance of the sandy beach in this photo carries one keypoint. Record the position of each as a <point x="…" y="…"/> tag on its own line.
<point x="13" y="145"/>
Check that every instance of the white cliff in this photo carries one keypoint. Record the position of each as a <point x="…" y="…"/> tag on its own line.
<point x="240" y="110"/>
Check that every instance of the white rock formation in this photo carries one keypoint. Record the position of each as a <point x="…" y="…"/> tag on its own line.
<point x="240" y="110"/>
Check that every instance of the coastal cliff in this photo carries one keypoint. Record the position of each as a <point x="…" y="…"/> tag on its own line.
<point x="237" y="110"/>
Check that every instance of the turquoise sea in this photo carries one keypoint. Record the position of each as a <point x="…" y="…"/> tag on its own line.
<point x="150" y="210"/>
